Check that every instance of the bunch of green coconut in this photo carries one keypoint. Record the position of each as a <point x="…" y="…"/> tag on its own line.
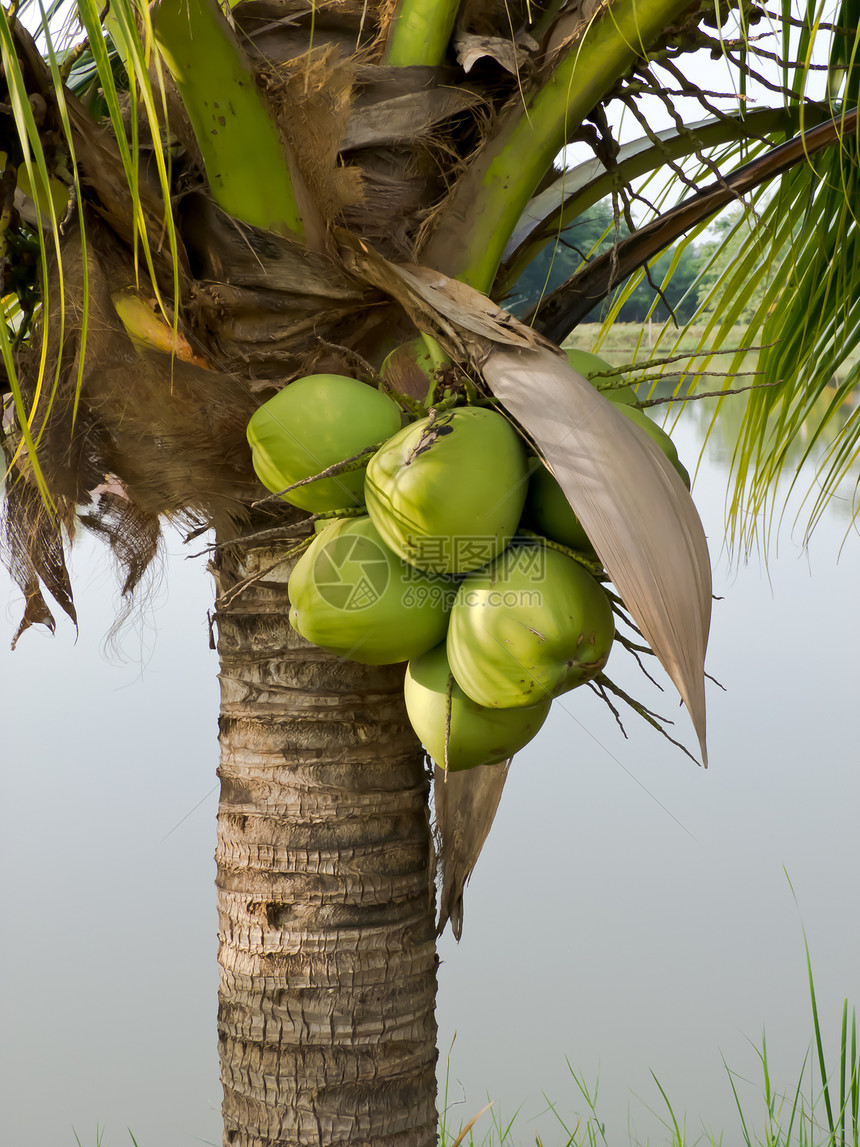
<point x="443" y="543"/>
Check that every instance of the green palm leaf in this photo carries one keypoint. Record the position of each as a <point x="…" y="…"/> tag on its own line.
<point x="579" y="188"/>
<point x="560" y="312"/>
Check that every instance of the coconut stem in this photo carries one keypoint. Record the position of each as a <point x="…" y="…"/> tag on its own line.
<point x="355" y="462"/>
<point x="221" y="603"/>
<point x="274" y="533"/>
<point x="419" y="33"/>
<point x="488" y="201"/>
<point x="633" y="646"/>
<point x="602" y="683"/>
<point x="594" y="568"/>
<point x="409" y="404"/>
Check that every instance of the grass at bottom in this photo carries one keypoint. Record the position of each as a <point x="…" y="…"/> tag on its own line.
<point x="822" y="1109"/>
<point x="100" y="1141"/>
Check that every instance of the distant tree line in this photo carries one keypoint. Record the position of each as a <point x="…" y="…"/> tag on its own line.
<point x="593" y="233"/>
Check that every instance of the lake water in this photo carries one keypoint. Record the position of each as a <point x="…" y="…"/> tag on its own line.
<point x="631" y="912"/>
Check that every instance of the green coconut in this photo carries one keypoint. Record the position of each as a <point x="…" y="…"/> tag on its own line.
<point x="548" y="512"/>
<point x="440" y="712"/>
<point x="447" y="492"/>
<point x="532" y="625"/>
<point x="349" y="594"/>
<point x="591" y="366"/>
<point x="411" y="367"/>
<point x="317" y="422"/>
<point x="659" y="435"/>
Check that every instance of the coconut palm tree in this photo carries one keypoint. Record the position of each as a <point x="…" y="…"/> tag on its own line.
<point x="201" y="205"/>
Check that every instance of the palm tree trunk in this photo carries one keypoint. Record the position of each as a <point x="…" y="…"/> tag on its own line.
<point x="326" y="1022"/>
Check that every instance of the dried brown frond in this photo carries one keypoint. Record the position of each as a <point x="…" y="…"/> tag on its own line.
<point x="465" y="804"/>
<point x="486" y="122"/>
<point x="32" y="549"/>
<point x="125" y="434"/>
<point x="495" y="17"/>
<point x="571" y="27"/>
<point x="403" y="184"/>
<point x="261" y="303"/>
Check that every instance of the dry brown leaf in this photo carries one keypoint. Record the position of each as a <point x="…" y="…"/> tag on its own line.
<point x="463" y="306"/>
<point x="509" y="55"/>
<point x="406" y="117"/>
<point x="570" y="28"/>
<point x="633" y="506"/>
<point x="466" y="804"/>
<point x="466" y="322"/>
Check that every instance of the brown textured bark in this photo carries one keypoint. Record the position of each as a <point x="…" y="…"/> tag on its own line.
<point x="327" y="1031"/>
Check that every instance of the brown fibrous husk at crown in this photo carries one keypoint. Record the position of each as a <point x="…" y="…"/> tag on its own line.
<point x="125" y="435"/>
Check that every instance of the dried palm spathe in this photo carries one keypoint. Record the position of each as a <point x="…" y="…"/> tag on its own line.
<point x="633" y="505"/>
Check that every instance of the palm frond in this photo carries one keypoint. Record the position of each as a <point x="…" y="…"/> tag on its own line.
<point x="560" y="312"/>
<point x="813" y="324"/>
<point x="490" y="197"/>
<point x="578" y="188"/>
<point x="785" y="277"/>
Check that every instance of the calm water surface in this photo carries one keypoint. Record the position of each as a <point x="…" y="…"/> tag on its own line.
<point x="631" y="913"/>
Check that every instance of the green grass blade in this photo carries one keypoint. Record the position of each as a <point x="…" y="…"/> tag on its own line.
<point x="843" y="1065"/>
<point x="679" y="1135"/>
<point x="744" y="1129"/>
<point x="819" y="1044"/>
<point x="855" y="1083"/>
<point x="797" y="1100"/>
